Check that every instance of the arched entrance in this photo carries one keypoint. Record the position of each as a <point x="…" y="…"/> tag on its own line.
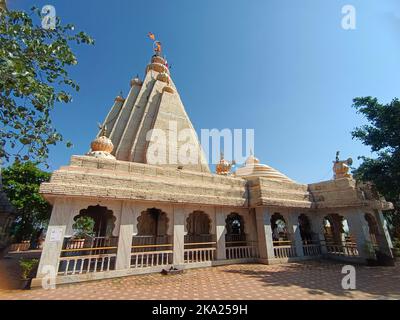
<point x="235" y="235"/>
<point x="200" y="244"/>
<point x="104" y="224"/>
<point x="280" y="233"/>
<point x="151" y="246"/>
<point x="305" y="229"/>
<point x="152" y="226"/>
<point x="198" y="227"/>
<point x="373" y="228"/>
<point x="104" y="220"/>
<point x="338" y="239"/>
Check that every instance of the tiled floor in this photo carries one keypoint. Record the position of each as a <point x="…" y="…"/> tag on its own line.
<point x="307" y="280"/>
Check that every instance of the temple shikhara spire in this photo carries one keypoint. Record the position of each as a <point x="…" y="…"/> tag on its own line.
<point x="153" y="106"/>
<point x="156" y="206"/>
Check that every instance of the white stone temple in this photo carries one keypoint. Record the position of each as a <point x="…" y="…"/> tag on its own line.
<point x="149" y="217"/>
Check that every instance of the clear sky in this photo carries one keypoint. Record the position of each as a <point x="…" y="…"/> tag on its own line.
<point x="283" y="67"/>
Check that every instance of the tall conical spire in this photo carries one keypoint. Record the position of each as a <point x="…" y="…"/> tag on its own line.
<point x="151" y="110"/>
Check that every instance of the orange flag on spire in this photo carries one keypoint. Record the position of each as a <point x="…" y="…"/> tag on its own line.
<point x="151" y="36"/>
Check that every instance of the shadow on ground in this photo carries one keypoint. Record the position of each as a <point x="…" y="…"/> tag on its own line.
<point x="325" y="277"/>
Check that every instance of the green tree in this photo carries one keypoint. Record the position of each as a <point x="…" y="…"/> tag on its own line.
<point x="382" y="134"/>
<point x="33" y="80"/>
<point x="21" y="183"/>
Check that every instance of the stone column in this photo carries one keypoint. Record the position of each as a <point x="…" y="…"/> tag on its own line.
<point x="294" y="230"/>
<point x="220" y="233"/>
<point x="54" y="238"/>
<point x="358" y="227"/>
<point x="125" y="236"/>
<point x="179" y="236"/>
<point x="264" y="234"/>
<point x="317" y="225"/>
<point x="383" y="238"/>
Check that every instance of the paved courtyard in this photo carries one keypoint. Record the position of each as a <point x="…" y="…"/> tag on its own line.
<point x="302" y="281"/>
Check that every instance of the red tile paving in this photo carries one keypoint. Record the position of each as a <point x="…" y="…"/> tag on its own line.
<point x="298" y="281"/>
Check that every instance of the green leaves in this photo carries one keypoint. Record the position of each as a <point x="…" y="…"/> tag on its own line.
<point x="33" y="80"/>
<point x="382" y="134"/>
<point x="21" y="183"/>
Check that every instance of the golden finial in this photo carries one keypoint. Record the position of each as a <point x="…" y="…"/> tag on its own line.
<point x="341" y="167"/>
<point x="224" y="167"/>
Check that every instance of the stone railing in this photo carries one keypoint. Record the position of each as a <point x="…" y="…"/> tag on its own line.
<point x="284" y="249"/>
<point x="347" y="249"/>
<point x="242" y="251"/>
<point x="151" y="255"/>
<point x="311" y="249"/>
<point x="199" y="255"/>
<point x="21" y="246"/>
<point x="71" y="265"/>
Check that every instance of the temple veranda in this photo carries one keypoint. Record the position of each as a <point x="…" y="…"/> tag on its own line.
<point x="152" y="217"/>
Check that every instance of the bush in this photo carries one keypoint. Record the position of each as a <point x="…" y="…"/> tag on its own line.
<point x="28" y="266"/>
<point x="83" y="227"/>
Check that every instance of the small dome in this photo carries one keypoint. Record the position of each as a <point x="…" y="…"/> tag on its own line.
<point x="136" y="82"/>
<point x="251" y="160"/>
<point x="253" y="168"/>
<point x="102" y="144"/>
<point x="163" y="77"/>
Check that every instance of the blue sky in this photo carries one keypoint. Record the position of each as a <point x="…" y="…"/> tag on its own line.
<point x="283" y="67"/>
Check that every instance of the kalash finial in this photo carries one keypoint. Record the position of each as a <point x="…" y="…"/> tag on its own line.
<point x="156" y="44"/>
<point x="102" y="146"/>
<point x="341" y="167"/>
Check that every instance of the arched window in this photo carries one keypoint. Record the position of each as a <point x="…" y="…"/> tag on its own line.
<point x="279" y="229"/>
<point x="334" y="232"/>
<point x="104" y="220"/>
<point x="235" y="230"/>
<point x="305" y="229"/>
<point x="373" y="228"/>
<point x="152" y="227"/>
<point x="198" y="227"/>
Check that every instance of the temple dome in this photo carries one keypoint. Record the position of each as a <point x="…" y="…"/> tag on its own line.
<point x="252" y="160"/>
<point x="253" y="169"/>
<point x="101" y="147"/>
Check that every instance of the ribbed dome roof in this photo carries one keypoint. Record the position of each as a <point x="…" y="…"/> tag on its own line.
<point x="253" y="168"/>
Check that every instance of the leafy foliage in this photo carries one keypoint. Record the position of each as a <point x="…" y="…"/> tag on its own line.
<point x="382" y="134"/>
<point x="21" y="183"/>
<point x="83" y="227"/>
<point x="33" y="78"/>
<point x="27" y="267"/>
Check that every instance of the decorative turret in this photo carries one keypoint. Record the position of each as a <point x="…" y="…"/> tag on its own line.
<point x="224" y="166"/>
<point x="136" y="82"/>
<point x="341" y="167"/>
<point x="101" y="147"/>
<point x="119" y="98"/>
